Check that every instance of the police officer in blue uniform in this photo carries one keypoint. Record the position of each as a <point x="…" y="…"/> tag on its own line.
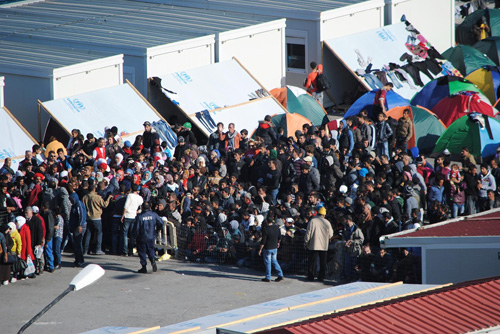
<point x="145" y="233"/>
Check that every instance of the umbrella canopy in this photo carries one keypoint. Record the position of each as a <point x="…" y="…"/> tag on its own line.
<point x="464" y="32"/>
<point x="467" y="59"/>
<point x="297" y="100"/>
<point x="481" y="134"/>
<point x="427" y="127"/>
<point x="490" y="47"/>
<point x="392" y="100"/>
<point x="439" y="88"/>
<point x="452" y="108"/>
<point x="488" y="80"/>
<point x="290" y="122"/>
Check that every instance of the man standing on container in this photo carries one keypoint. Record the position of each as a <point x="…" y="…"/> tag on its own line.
<point x="144" y="232"/>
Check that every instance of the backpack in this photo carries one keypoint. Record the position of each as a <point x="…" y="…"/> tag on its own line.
<point x="322" y="83"/>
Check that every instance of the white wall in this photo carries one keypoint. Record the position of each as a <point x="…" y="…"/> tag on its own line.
<point x="262" y="53"/>
<point x="435" y="19"/>
<point x="179" y="60"/>
<point x="461" y="264"/>
<point x="349" y="24"/>
<point x="86" y="80"/>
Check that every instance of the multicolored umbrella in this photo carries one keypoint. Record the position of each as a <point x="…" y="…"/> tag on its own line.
<point x="427" y="127"/>
<point x="439" y="88"/>
<point x="481" y="134"/>
<point x="297" y="100"/>
<point x="290" y="122"/>
<point x="452" y="108"/>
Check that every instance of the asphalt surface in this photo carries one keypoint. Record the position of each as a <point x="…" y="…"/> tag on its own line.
<point x="178" y="292"/>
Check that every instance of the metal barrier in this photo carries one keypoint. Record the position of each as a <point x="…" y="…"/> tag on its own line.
<point x="166" y="240"/>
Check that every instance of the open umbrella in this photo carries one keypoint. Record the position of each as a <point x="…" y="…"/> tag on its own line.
<point x="452" y="108"/>
<point x="297" y="100"/>
<point x="467" y="59"/>
<point x="490" y="47"/>
<point x="488" y="80"/>
<point x="437" y="89"/>
<point x="290" y="122"/>
<point x="427" y="127"/>
<point x="392" y="100"/>
<point x="481" y="134"/>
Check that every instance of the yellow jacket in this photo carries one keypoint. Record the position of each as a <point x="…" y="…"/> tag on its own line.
<point x="16" y="237"/>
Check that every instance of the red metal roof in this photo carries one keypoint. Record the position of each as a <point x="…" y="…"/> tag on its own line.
<point x="473" y="226"/>
<point x="461" y="308"/>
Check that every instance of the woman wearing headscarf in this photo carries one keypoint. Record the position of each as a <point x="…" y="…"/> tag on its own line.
<point x="5" y="245"/>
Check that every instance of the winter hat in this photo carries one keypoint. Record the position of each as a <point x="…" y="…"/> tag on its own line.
<point x="363" y="172"/>
<point x="187" y="125"/>
<point x="322" y="211"/>
<point x="343" y="189"/>
<point x="35" y="209"/>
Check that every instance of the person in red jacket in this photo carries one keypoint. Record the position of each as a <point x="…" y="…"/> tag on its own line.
<point x="311" y="84"/>
<point x="24" y="232"/>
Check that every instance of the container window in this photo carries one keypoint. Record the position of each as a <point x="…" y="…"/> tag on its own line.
<point x="296" y="56"/>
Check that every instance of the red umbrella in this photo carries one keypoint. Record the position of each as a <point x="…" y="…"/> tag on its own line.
<point x="453" y="107"/>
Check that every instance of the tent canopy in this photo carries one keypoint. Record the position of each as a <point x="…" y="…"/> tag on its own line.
<point x="481" y="134"/>
<point x="121" y="106"/>
<point x="452" y="108"/>
<point x="392" y="100"/>
<point x="439" y="88"/>
<point x="490" y="47"/>
<point x="488" y="80"/>
<point x="464" y="32"/>
<point x="290" y="122"/>
<point x="15" y="140"/>
<point x="467" y="59"/>
<point x="297" y="100"/>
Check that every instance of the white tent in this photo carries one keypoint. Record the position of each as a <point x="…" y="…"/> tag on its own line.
<point x="121" y="106"/>
<point x="15" y="140"/>
<point x="226" y="91"/>
<point x="380" y="47"/>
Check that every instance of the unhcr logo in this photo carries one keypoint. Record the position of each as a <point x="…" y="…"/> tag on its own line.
<point x="385" y="35"/>
<point x="75" y="104"/>
<point x="183" y="77"/>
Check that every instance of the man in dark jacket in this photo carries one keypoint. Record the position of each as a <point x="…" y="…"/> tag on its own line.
<point x="78" y="224"/>
<point x="144" y="231"/>
<point x="265" y="130"/>
<point x="271" y="237"/>
<point x="49" y="219"/>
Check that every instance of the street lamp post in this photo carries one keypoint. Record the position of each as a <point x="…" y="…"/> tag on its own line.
<point x="87" y="276"/>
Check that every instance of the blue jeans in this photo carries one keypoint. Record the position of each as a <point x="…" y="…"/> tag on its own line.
<point x="270" y="257"/>
<point x="49" y="256"/>
<point x="123" y="241"/>
<point x="274" y="195"/>
<point x="57" y="250"/>
<point x="373" y="81"/>
<point x="383" y="148"/>
<point x="78" y="245"/>
<point x="115" y="230"/>
<point x="94" y="226"/>
<point x="458" y="209"/>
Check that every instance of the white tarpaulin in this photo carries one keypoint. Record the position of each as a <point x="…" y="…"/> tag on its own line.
<point x="244" y="116"/>
<point x="121" y="106"/>
<point x="375" y="49"/>
<point x="14" y="140"/>
<point x="211" y="87"/>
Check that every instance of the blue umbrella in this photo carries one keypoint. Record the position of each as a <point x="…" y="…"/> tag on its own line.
<point x="392" y="100"/>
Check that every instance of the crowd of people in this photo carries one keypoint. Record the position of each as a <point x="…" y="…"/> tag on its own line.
<point x="331" y="191"/>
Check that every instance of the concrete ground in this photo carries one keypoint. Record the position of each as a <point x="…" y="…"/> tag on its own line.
<point x="179" y="291"/>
